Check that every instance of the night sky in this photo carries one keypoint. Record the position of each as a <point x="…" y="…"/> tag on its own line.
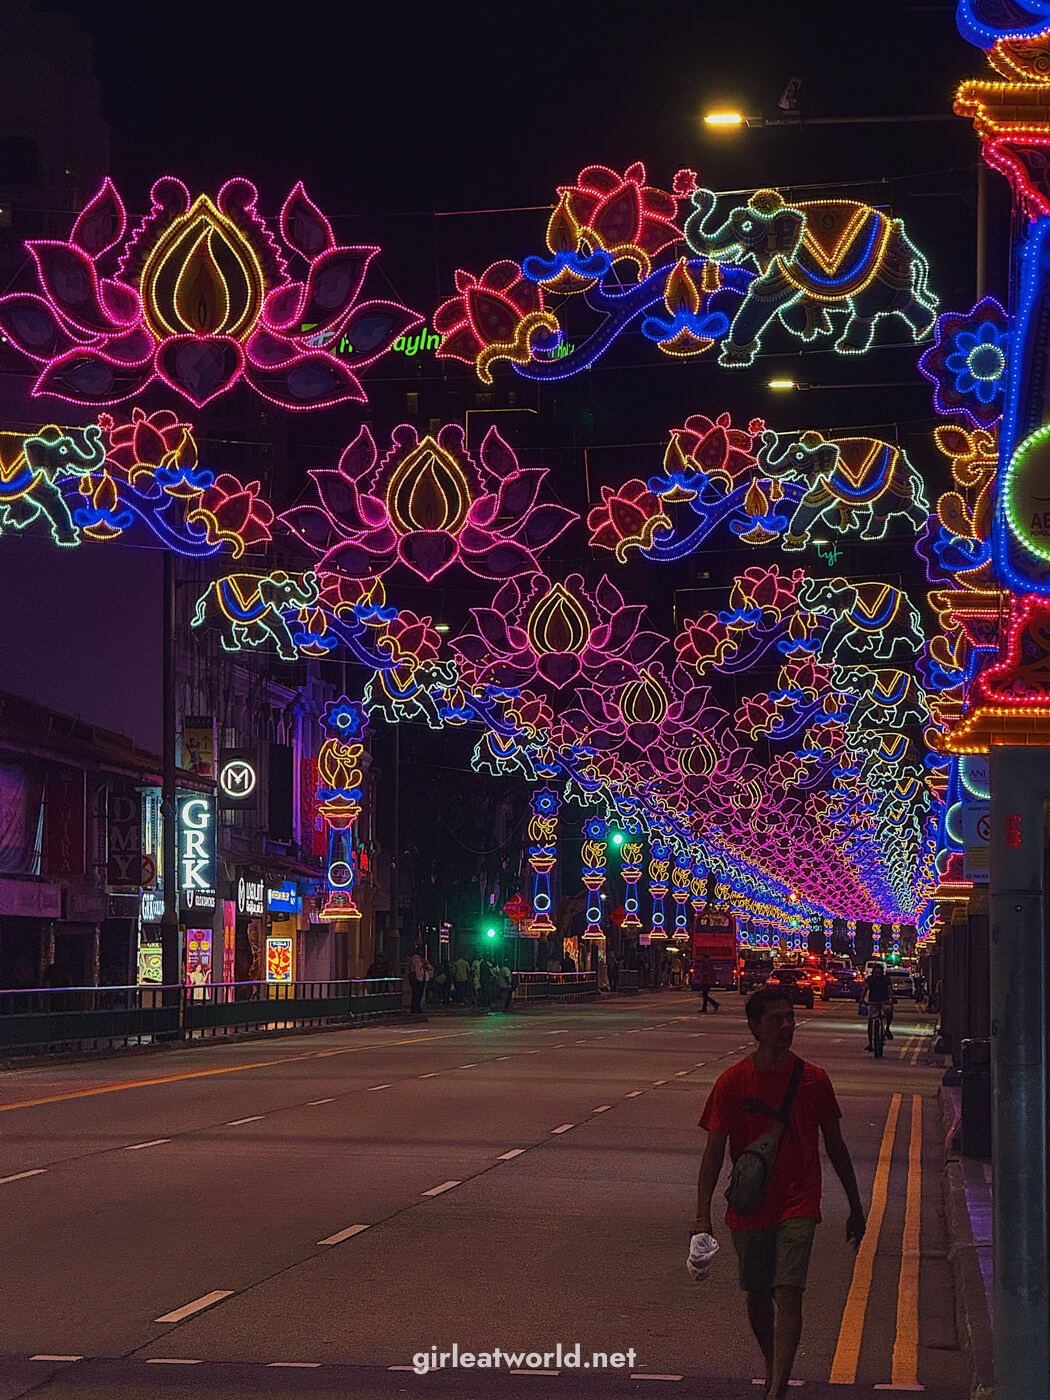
<point x="393" y="114"/>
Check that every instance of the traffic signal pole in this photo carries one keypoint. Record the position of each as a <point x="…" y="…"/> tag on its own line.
<point x="1020" y="791"/>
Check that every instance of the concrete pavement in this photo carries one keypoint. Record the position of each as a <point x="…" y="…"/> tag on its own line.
<point x="524" y="1181"/>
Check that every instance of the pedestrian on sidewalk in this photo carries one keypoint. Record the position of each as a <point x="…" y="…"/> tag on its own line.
<point x="707" y="981"/>
<point x="417" y="978"/>
<point x="461" y="981"/>
<point x="774" y="1239"/>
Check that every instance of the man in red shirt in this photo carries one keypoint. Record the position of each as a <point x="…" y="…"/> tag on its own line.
<point x="773" y="1243"/>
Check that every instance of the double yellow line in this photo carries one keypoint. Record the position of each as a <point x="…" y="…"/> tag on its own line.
<point x="905" y="1373"/>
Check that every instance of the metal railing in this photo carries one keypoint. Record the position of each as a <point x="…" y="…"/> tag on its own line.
<point x="97" y="1018"/>
<point x="556" y="986"/>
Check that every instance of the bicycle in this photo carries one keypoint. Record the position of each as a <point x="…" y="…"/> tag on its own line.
<point x="878" y="1029"/>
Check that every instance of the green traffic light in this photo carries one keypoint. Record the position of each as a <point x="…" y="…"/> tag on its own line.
<point x="617" y="838"/>
<point x="490" y="933"/>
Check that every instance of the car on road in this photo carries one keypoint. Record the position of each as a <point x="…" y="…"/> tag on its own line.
<point x="842" y="980"/>
<point x="796" y="983"/>
<point x="901" y="982"/>
<point x="753" y="973"/>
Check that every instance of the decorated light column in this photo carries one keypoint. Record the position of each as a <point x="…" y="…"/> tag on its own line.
<point x="631" y="870"/>
<point x="339" y="800"/>
<point x="659" y="873"/>
<point x="543" y="855"/>
<point x="594" y="855"/>
<point x="681" y="888"/>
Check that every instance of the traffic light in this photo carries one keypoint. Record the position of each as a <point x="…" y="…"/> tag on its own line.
<point x="616" y="838"/>
<point x="490" y="932"/>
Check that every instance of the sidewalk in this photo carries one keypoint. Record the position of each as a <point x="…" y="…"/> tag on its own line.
<point x="968" y="1210"/>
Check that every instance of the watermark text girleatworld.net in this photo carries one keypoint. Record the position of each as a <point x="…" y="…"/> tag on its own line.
<point x="561" y="1357"/>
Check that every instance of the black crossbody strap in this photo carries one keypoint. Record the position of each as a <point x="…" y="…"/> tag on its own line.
<point x="783" y="1116"/>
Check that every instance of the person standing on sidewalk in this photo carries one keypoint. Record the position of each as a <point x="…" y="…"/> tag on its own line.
<point x="417" y="979"/>
<point x="773" y="1242"/>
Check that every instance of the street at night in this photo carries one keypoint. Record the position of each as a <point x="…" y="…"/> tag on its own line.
<point x="567" y="1145"/>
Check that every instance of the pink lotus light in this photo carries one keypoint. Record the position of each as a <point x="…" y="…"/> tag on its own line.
<point x="200" y="297"/>
<point x="428" y="505"/>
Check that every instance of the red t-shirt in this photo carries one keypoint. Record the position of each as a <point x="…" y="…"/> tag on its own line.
<point x="794" y="1187"/>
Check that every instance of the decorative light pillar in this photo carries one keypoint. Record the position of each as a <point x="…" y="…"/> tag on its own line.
<point x="543" y="855"/>
<point x="851" y="930"/>
<point x="681" y="887"/>
<point x="595" y="853"/>
<point x="339" y="800"/>
<point x="697" y="884"/>
<point x="631" y="870"/>
<point x="659" y="872"/>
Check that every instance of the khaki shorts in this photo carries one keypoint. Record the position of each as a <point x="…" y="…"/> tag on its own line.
<point x="774" y="1258"/>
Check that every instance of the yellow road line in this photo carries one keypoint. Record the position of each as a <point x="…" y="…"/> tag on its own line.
<point x="226" y="1069"/>
<point x="918" y="1052"/>
<point x="906" y="1346"/>
<point x="847" y="1352"/>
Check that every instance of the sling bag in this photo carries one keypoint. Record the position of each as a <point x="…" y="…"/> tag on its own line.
<point x="753" y="1168"/>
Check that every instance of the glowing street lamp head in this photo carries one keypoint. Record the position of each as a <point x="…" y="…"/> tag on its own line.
<point x="725" y="119"/>
<point x="781" y="384"/>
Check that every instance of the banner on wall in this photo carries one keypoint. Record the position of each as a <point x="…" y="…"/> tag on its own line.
<point x="198" y="745"/>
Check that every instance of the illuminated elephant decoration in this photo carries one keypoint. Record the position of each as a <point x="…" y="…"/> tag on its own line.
<point x="29" y="486"/>
<point x="844" y="477"/>
<point x="869" y="620"/>
<point x="887" y="700"/>
<point x="251" y="609"/>
<point x="412" y="690"/>
<point x="814" y="257"/>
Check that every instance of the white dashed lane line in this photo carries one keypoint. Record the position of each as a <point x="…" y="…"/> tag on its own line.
<point x="432" y="1075"/>
<point x="514" y="1152"/>
<point x="138" y="1146"/>
<point x="314" y="1102"/>
<point x="469" y="1065"/>
<point x="21" y="1176"/>
<point x="445" y="1186"/>
<point x="658" y="1081"/>
<point x="170" y="1361"/>
<point x="302" y="1365"/>
<point x="602" y="1108"/>
<point x="236" y="1122"/>
<point x="344" y="1234"/>
<point x="634" y="1094"/>
<point x="42" y="1356"/>
<point x="564" y="1128"/>
<point x="198" y="1305"/>
<point x="374" y="1088"/>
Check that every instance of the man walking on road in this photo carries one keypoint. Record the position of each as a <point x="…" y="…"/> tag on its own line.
<point x="773" y="1242"/>
<point x="707" y="981"/>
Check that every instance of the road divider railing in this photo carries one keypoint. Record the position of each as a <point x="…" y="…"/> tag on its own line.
<point x="556" y="986"/>
<point x="37" y="1021"/>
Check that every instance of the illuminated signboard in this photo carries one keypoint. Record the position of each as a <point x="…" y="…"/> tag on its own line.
<point x="198" y="956"/>
<point x="196" y="850"/>
<point x="278" y="960"/>
<point x="238" y="779"/>
<point x="251" y="896"/>
<point x="284" y="898"/>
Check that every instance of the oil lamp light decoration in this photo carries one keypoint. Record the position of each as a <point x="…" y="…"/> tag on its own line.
<point x="339" y="799"/>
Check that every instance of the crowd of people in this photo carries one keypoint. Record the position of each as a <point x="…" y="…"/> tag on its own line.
<point x="485" y="982"/>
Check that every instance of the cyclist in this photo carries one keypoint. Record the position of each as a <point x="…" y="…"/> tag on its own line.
<point x="879" y="995"/>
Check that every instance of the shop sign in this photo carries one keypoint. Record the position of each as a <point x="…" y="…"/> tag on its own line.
<point x="150" y="963"/>
<point x="238" y="780"/>
<point x="251" y="896"/>
<point x="976" y="825"/>
<point x="30" y="899"/>
<point x="278" y="960"/>
<point x="195" y="831"/>
<point x="152" y="907"/>
<point x="283" y="898"/>
<point x="198" y="956"/>
<point x="124" y="857"/>
<point x="198" y="745"/>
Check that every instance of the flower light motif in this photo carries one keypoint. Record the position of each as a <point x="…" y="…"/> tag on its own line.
<point x="555" y="633"/>
<point x="343" y="719"/>
<point x="967" y="363"/>
<point x="705" y="451"/>
<point x="200" y="296"/>
<point x="158" y="446"/>
<point x="628" y="518"/>
<point x="429" y="505"/>
<point x="233" y="513"/>
<point x="497" y="316"/>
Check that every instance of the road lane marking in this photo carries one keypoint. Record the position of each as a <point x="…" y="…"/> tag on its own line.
<point x="225" y="1069"/>
<point x="198" y="1305"/>
<point x="469" y="1065"/>
<point x="170" y="1361"/>
<point x="644" y="1376"/>
<point x="847" y="1352"/>
<point x="138" y="1146"/>
<point x="314" y="1102"/>
<point x="342" y="1235"/>
<point x="373" y="1088"/>
<point x="236" y="1122"/>
<point x="432" y="1075"/>
<point x="905" y="1375"/>
<point x="21" y="1176"/>
<point x="42" y="1356"/>
<point x="602" y="1108"/>
<point x="445" y="1186"/>
<point x="658" y="1081"/>
<point x="504" y="1057"/>
<point x="514" y="1152"/>
<point x="564" y="1128"/>
<point x="557" y="1032"/>
<point x="302" y="1365"/>
<point x="680" y="1072"/>
<point x="634" y="1094"/>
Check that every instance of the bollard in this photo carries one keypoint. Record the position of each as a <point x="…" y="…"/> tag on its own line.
<point x="976" y="1127"/>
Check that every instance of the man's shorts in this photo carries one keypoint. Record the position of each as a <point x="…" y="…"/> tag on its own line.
<point x="774" y="1258"/>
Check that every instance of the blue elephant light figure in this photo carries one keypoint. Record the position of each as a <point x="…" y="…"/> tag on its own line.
<point x="888" y="700"/>
<point x="251" y="609"/>
<point x="869" y="620"/>
<point x="845" y="477"/>
<point x="814" y="257"/>
<point x="30" y="483"/>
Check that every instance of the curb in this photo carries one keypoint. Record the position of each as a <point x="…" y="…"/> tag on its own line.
<point x="971" y="1307"/>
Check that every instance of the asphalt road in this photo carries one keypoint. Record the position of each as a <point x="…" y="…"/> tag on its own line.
<point x="299" y="1216"/>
